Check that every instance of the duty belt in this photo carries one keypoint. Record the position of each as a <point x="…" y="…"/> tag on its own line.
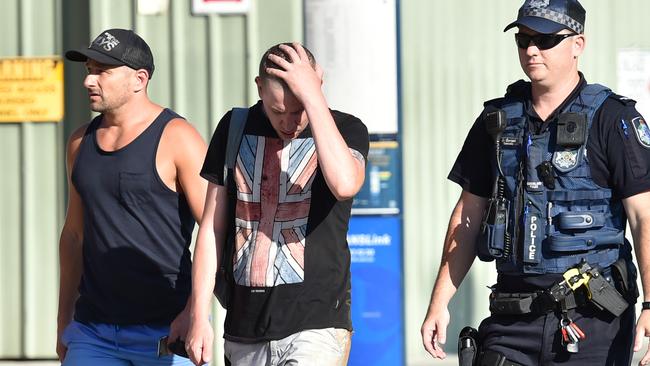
<point x="582" y="284"/>
<point x="540" y="302"/>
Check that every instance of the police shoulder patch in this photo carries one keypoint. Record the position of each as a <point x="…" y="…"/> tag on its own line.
<point x="642" y="131"/>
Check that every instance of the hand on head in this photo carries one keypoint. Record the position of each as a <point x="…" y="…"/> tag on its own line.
<point x="300" y="73"/>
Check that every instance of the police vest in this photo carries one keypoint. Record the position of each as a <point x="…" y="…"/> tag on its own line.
<point x="550" y="229"/>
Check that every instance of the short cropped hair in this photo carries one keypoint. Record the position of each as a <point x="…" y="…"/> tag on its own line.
<point x="276" y="50"/>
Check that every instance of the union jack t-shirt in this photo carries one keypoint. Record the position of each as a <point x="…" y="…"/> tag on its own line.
<point x="291" y="260"/>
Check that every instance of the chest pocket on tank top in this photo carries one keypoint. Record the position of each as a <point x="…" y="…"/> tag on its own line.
<point x="135" y="188"/>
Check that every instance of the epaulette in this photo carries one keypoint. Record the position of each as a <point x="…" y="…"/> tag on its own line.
<point x="517" y="90"/>
<point x="623" y="100"/>
<point x="494" y="102"/>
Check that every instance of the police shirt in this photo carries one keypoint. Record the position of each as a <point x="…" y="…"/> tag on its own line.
<point x="618" y="150"/>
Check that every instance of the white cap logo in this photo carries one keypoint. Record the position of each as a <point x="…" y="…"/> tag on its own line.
<point x="538" y="3"/>
<point x="107" y="41"/>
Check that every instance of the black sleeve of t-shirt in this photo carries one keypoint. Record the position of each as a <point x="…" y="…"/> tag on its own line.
<point x="353" y="131"/>
<point x="215" y="158"/>
<point x="473" y="169"/>
<point x="617" y="157"/>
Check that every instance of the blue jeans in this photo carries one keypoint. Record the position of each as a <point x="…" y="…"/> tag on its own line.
<point x="114" y="345"/>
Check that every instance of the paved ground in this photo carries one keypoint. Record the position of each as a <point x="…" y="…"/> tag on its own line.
<point x="450" y="361"/>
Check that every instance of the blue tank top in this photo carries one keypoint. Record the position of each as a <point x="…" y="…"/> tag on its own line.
<point x="137" y="232"/>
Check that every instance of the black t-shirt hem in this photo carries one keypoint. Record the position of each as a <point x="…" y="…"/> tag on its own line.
<point x="465" y="184"/>
<point x="633" y="190"/>
<point x="212" y="178"/>
<point x="286" y="333"/>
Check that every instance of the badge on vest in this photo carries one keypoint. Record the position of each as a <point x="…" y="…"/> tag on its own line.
<point x="642" y="131"/>
<point x="566" y="160"/>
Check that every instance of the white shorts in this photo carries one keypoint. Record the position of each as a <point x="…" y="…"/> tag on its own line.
<point x="314" y="347"/>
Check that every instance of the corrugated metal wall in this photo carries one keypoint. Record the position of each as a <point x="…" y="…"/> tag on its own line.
<point x="204" y="66"/>
<point x="455" y="56"/>
<point x="31" y="184"/>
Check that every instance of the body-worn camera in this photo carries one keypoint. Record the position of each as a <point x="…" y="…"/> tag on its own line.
<point x="571" y="129"/>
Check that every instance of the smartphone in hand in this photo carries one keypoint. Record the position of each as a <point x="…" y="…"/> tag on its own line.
<point x="176" y="347"/>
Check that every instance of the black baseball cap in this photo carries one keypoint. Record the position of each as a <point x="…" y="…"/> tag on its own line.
<point x="117" y="47"/>
<point x="551" y="16"/>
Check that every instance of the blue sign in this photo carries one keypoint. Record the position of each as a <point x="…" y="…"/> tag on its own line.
<point x="377" y="316"/>
<point x="380" y="193"/>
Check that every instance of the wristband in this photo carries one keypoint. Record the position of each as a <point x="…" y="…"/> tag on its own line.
<point x="645" y="305"/>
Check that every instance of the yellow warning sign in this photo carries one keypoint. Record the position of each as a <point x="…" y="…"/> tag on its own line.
<point x="31" y="89"/>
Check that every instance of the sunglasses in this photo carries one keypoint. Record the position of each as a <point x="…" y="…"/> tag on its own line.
<point x="542" y="41"/>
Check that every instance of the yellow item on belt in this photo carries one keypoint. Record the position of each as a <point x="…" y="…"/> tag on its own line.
<point x="575" y="279"/>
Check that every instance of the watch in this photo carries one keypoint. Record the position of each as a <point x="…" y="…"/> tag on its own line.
<point x="645" y="305"/>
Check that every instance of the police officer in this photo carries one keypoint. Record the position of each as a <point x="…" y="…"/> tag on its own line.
<point x="551" y="174"/>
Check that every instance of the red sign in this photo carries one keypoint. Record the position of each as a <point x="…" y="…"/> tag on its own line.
<point x="220" y="6"/>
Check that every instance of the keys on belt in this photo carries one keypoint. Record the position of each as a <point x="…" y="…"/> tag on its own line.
<point x="581" y="284"/>
<point x="600" y="292"/>
<point x="571" y="334"/>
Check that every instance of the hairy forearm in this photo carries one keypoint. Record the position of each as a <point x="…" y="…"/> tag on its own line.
<point x="457" y="258"/>
<point x="639" y="220"/>
<point x="458" y="252"/>
<point x="641" y="236"/>
<point x="207" y="255"/>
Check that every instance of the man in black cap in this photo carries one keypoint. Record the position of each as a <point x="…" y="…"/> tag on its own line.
<point x="134" y="195"/>
<point x="551" y="173"/>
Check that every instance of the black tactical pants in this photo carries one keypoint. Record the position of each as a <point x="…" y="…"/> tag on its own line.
<point x="533" y="339"/>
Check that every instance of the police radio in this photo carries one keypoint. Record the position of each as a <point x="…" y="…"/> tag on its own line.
<point x="494" y="226"/>
<point x="495" y="123"/>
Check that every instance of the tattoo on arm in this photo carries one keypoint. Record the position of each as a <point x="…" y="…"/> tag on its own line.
<point x="357" y="155"/>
